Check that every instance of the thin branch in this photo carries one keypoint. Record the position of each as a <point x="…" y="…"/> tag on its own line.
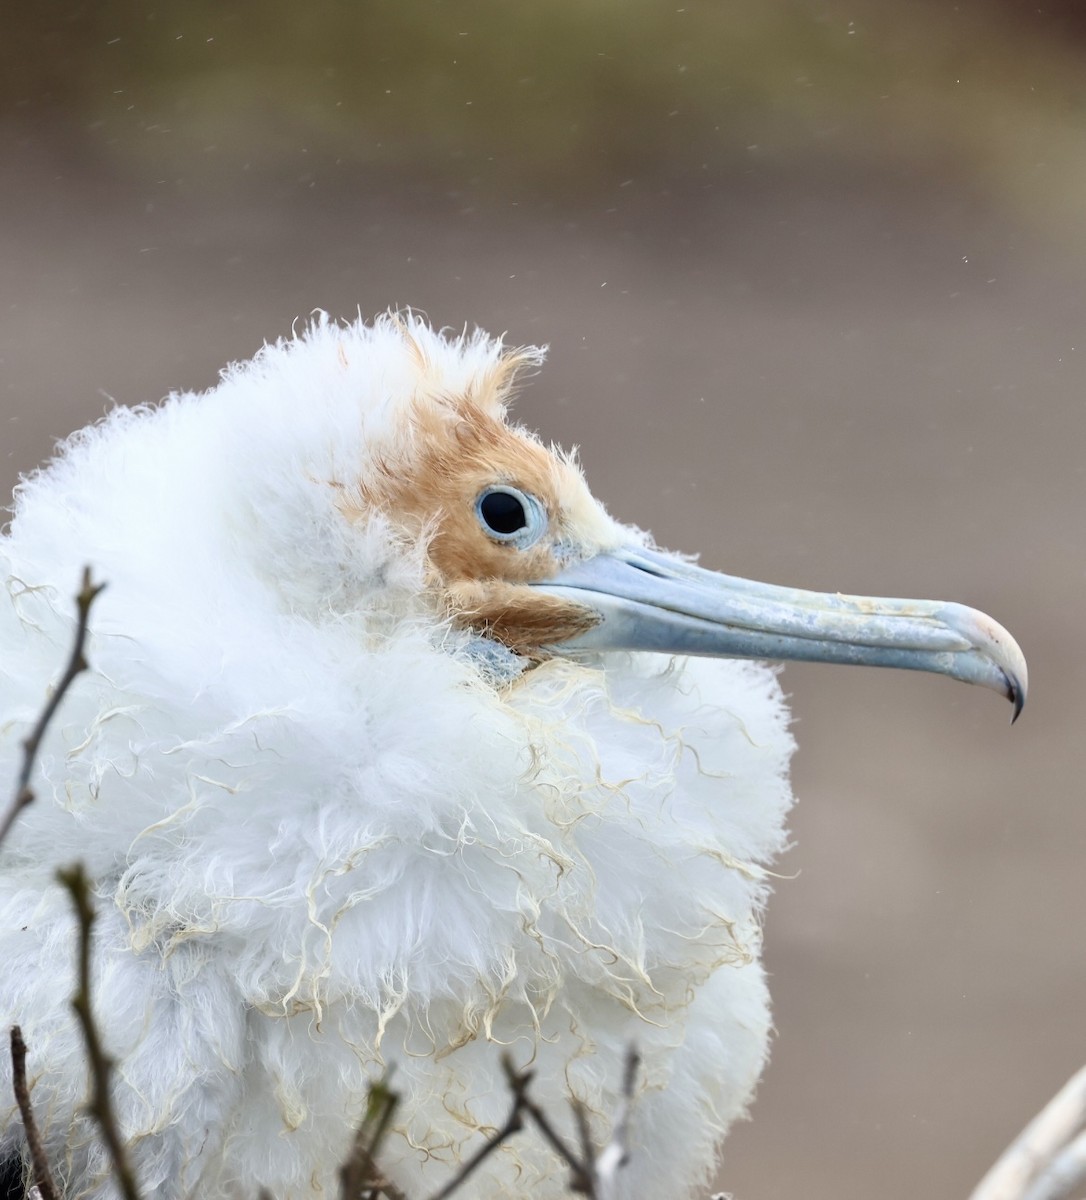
<point x="43" y="1177"/>
<point x="359" y="1175"/>
<point x="592" y="1175"/>
<point x="540" y="1119"/>
<point x="1037" y="1145"/>
<point x="388" y="1102"/>
<point x="616" y="1154"/>
<point x="581" y="1174"/>
<point x="100" y="1106"/>
<point x="24" y="793"/>
<point x="514" y="1123"/>
<point x="584" y="1180"/>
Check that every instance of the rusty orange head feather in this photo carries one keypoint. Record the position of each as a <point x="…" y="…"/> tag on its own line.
<point x="454" y="450"/>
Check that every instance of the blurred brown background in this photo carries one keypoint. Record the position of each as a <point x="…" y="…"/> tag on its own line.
<point x="813" y="277"/>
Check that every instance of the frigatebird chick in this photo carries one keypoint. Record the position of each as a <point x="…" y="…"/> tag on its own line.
<point x="395" y="751"/>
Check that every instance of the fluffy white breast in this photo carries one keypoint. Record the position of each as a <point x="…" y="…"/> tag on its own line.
<point x="329" y="838"/>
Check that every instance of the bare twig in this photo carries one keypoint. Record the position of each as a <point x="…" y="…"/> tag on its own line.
<point x="359" y="1175"/>
<point x="100" y="1106"/>
<point x="24" y="793"/>
<point x="1032" y="1158"/>
<point x="587" y="1184"/>
<point x="591" y="1175"/>
<point x="616" y="1153"/>
<point x="43" y="1177"/>
<point x="518" y="1081"/>
<point x="579" y="1179"/>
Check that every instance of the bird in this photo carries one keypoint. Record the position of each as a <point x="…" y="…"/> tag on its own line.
<point x="396" y="754"/>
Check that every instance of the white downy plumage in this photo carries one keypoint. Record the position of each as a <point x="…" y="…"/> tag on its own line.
<point x="340" y="820"/>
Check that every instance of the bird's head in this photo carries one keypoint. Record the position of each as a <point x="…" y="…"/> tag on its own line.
<point x="499" y="511"/>
<point x="522" y="553"/>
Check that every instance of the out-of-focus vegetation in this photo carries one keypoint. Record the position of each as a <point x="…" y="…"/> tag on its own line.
<point x="561" y="96"/>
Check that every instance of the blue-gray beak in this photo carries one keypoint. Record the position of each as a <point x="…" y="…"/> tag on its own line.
<point x="645" y="600"/>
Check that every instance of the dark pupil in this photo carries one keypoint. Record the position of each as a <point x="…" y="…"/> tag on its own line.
<point x="502" y="512"/>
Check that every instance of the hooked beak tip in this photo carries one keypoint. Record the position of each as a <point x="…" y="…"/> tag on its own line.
<point x="1016" y="694"/>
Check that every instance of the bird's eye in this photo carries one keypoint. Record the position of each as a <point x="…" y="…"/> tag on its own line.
<point x="509" y="515"/>
<point x="503" y="512"/>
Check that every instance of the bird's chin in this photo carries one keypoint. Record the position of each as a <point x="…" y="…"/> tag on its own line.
<point x="531" y="624"/>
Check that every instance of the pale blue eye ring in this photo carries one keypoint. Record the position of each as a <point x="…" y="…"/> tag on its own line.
<point x="511" y="516"/>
